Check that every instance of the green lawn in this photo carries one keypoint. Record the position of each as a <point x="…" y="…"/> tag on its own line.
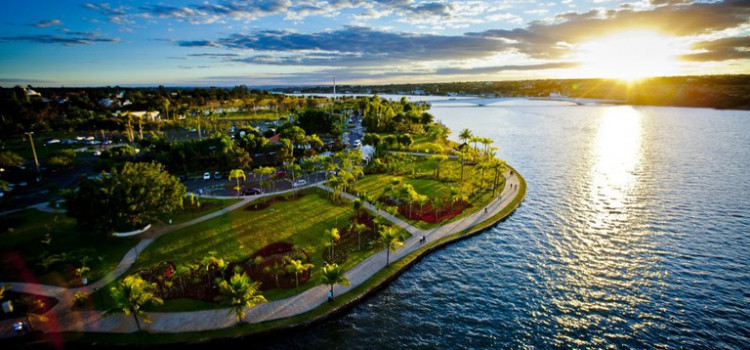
<point x="207" y="206"/>
<point x="239" y="233"/>
<point x="421" y="175"/>
<point x="21" y="249"/>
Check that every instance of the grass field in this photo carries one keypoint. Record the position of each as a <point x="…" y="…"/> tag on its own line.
<point x="208" y="206"/>
<point x="21" y="249"/>
<point x="421" y="175"/>
<point x="238" y="234"/>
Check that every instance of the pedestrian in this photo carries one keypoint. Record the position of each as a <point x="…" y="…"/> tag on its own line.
<point x="485" y="210"/>
<point x="330" y="296"/>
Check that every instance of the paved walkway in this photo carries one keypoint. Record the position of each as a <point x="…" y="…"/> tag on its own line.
<point x="62" y="320"/>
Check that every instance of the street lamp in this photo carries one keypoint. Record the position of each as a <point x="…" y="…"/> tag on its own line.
<point x="33" y="150"/>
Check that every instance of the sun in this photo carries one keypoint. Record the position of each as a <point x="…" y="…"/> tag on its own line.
<point x="629" y="56"/>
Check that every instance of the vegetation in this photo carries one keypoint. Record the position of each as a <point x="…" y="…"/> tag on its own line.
<point x="333" y="274"/>
<point x="238" y="293"/>
<point x="127" y="199"/>
<point x="50" y="248"/>
<point x="132" y="294"/>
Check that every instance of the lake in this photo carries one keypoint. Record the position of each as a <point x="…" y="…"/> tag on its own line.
<point x="634" y="234"/>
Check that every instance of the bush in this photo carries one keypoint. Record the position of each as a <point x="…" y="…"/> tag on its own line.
<point x="80" y="298"/>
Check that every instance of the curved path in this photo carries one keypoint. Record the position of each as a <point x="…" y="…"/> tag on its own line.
<point x="64" y="320"/>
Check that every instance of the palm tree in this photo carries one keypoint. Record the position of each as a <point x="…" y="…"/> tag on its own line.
<point x="132" y="294"/>
<point x="240" y="292"/>
<point x="359" y="228"/>
<point x="212" y="260"/>
<point x="391" y="240"/>
<point x="439" y="159"/>
<point x="331" y="237"/>
<point x="333" y="274"/>
<point x="297" y="267"/>
<point x="276" y="269"/>
<point x="475" y="139"/>
<point x="237" y="174"/>
<point x="465" y="135"/>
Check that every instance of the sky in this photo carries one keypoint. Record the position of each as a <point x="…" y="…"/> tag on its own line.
<point x="283" y="42"/>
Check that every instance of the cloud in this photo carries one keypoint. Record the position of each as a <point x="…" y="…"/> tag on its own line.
<point x="47" y="23"/>
<point x="249" y="10"/>
<point x="541" y="39"/>
<point x="720" y="50"/>
<point x="353" y="45"/>
<point x="214" y="55"/>
<point x="67" y="39"/>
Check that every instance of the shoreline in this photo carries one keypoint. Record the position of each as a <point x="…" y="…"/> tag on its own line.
<point x="288" y="325"/>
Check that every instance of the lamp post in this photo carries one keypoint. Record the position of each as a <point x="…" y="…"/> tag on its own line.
<point x="33" y="150"/>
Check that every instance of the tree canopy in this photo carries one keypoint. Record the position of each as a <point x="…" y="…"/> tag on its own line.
<point x="129" y="198"/>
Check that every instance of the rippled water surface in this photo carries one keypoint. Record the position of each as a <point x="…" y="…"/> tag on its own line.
<point x="634" y="234"/>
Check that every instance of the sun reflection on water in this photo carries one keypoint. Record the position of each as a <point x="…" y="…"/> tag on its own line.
<point x="597" y="259"/>
<point x="616" y="154"/>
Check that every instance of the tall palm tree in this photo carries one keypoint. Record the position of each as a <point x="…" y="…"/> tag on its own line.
<point x="331" y="237"/>
<point x="359" y="228"/>
<point x="333" y="274"/>
<point x="240" y="292"/>
<point x="297" y="267"/>
<point x="465" y="135"/>
<point x="237" y="174"/>
<point x="439" y="159"/>
<point x="475" y="139"/>
<point x="132" y="294"/>
<point x="390" y="238"/>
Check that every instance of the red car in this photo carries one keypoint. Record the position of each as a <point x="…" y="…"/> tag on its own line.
<point x="281" y="173"/>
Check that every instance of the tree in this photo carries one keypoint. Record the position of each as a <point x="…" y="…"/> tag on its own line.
<point x="297" y="267"/>
<point x="359" y="228"/>
<point x="239" y="292"/>
<point x="129" y="198"/>
<point x="465" y="135"/>
<point x="211" y="260"/>
<point x="237" y="174"/>
<point x="439" y="159"/>
<point x="9" y="159"/>
<point x="333" y="274"/>
<point x="276" y="269"/>
<point x="331" y="237"/>
<point x="132" y="294"/>
<point x="391" y="239"/>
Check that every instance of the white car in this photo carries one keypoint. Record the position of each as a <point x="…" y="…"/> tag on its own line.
<point x="299" y="183"/>
<point x="206" y="176"/>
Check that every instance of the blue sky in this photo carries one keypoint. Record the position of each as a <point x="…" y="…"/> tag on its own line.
<point x="260" y="42"/>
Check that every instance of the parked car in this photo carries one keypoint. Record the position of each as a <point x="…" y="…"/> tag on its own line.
<point x="299" y="183"/>
<point x="251" y="191"/>
<point x="217" y="175"/>
<point x="207" y="176"/>
<point x="281" y="173"/>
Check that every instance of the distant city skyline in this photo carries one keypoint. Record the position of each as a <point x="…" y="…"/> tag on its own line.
<point x="282" y="42"/>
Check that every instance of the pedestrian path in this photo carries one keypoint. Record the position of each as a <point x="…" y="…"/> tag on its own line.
<point x="64" y="320"/>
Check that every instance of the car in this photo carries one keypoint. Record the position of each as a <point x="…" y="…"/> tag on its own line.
<point x="281" y="173"/>
<point x="299" y="183"/>
<point x="51" y="141"/>
<point x="207" y="176"/>
<point x="183" y="178"/>
<point x="217" y="175"/>
<point x="251" y="191"/>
